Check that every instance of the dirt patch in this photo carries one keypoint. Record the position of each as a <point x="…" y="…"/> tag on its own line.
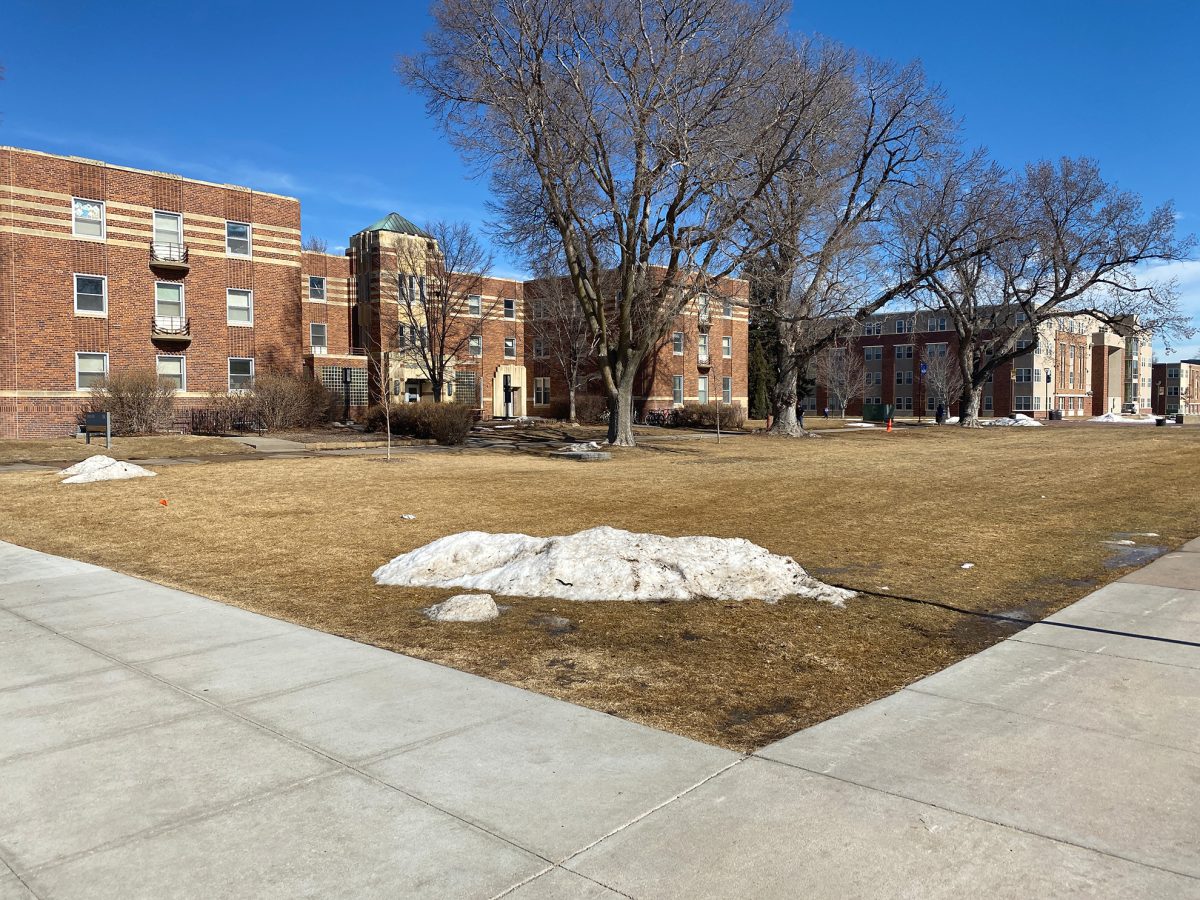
<point x="66" y="450"/>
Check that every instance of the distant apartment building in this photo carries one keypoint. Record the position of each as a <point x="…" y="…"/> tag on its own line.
<point x="1079" y="367"/>
<point x="1176" y="387"/>
<point x="106" y="268"/>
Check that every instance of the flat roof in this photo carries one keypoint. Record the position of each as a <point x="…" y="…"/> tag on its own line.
<point x="178" y="177"/>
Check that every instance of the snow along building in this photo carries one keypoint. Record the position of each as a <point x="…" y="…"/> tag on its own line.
<point x="106" y="268"/>
<point x="1079" y="367"/>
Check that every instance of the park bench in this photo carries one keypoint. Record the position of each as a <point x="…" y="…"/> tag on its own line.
<point x="97" y="423"/>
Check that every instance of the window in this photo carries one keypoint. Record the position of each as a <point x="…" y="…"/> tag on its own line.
<point x="727" y="308"/>
<point x="677" y="390"/>
<point x="1037" y="402"/>
<point x="936" y="323"/>
<point x="904" y="351"/>
<point x="318" y="337"/>
<point x="727" y="347"/>
<point x="702" y="348"/>
<point x="237" y="238"/>
<point x="171" y="370"/>
<point x="241" y="373"/>
<point x="541" y="392"/>
<point x="903" y="377"/>
<point x="1172" y="390"/>
<point x="91" y="295"/>
<point x="1023" y="344"/>
<point x="90" y="370"/>
<point x="1024" y="376"/>
<point x="168" y="230"/>
<point x="987" y="403"/>
<point x="904" y="403"/>
<point x="870" y="353"/>
<point x="510" y="309"/>
<point x="1023" y="404"/>
<point x="873" y="328"/>
<point x="903" y="326"/>
<point x="474" y="305"/>
<point x="475" y="345"/>
<point x="239" y="307"/>
<point x="930" y="404"/>
<point x="168" y="302"/>
<point x="510" y="347"/>
<point x="87" y="218"/>
<point x="539" y="348"/>
<point x="1172" y="373"/>
<point x="677" y="343"/>
<point x="936" y="350"/>
<point x="727" y="390"/>
<point x="702" y="389"/>
<point x="316" y="287"/>
<point x="702" y="305"/>
<point x="1021" y="317"/>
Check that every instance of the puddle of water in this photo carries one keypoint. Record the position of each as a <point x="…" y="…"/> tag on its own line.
<point x="1121" y="555"/>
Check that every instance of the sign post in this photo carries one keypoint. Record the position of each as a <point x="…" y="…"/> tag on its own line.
<point x="921" y="409"/>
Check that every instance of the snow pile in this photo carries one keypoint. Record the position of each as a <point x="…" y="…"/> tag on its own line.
<point x="950" y="420"/>
<point x="1019" y="419"/>
<point x="464" y="608"/>
<point x="858" y="425"/>
<point x="102" y="468"/>
<point x="606" y="564"/>
<point x="1123" y="420"/>
<point x="586" y="447"/>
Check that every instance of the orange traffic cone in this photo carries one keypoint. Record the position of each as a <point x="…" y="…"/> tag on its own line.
<point x="889" y="428"/>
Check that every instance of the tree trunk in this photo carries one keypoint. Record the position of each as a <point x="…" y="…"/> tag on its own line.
<point x="438" y="387"/>
<point x="620" y="414"/>
<point x="784" y="401"/>
<point x="969" y="402"/>
<point x="571" y="404"/>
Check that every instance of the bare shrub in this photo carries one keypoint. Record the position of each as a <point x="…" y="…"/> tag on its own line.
<point x="446" y="423"/>
<point x="450" y="423"/>
<point x="281" y="401"/>
<point x="706" y="415"/>
<point x="136" y="400"/>
<point x="591" y="409"/>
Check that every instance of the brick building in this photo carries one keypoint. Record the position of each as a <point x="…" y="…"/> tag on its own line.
<point x="1080" y="368"/>
<point x="105" y="268"/>
<point x="1176" y="387"/>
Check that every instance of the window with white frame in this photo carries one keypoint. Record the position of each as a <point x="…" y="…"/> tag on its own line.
<point x="510" y="347"/>
<point x="316" y="287"/>
<point x="677" y="343"/>
<point x="903" y="326"/>
<point x="904" y="351"/>
<point x="873" y="328"/>
<point x="1037" y="403"/>
<point x="87" y="217"/>
<point x="90" y="370"/>
<point x="510" y="308"/>
<point x="1024" y="376"/>
<point x="241" y="373"/>
<point x="904" y="377"/>
<point x="677" y="389"/>
<point x="702" y="389"/>
<point x="91" y="295"/>
<point x="702" y="305"/>
<point x="318" y="337"/>
<point x="237" y="238"/>
<point x="474" y="305"/>
<point x="727" y="347"/>
<point x="172" y="370"/>
<point x="539" y="348"/>
<point x="987" y="402"/>
<point x="1172" y="390"/>
<point x="727" y="389"/>
<point x="168" y="304"/>
<point x="475" y="345"/>
<point x="937" y="323"/>
<point x="904" y="403"/>
<point x="1023" y="343"/>
<point x="727" y="308"/>
<point x="871" y="353"/>
<point x="168" y="233"/>
<point x="239" y="306"/>
<point x="702" y="347"/>
<point x="1023" y="404"/>
<point x="936" y="350"/>
<point x="541" y="391"/>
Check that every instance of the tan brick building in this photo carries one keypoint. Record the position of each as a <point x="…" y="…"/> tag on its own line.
<point x="1176" y="387"/>
<point x="106" y="268"/>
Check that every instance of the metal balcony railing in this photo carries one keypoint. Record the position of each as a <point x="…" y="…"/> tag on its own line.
<point x="168" y="253"/>
<point x="171" y="326"/>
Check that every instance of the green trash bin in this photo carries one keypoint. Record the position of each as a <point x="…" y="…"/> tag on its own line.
<point x="877" y="412"/>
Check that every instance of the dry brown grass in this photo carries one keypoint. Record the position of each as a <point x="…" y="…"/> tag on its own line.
<point x="298" y="539"/>
<point x="159" y="446"/>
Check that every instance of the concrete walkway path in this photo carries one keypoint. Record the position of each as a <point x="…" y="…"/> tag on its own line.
<point x="156" y="744"/>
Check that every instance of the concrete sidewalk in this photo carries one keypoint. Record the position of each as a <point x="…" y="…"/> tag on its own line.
<point x="157" y="744"/>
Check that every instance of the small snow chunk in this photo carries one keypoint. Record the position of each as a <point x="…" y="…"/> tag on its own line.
<point x="464" y="608"/>
<point x="408" y="516"/>
<point x="1122" y="543"/>
<point x="606" y="564"/>
<point x="103" y="468"/>
<point x="967" y="566"/>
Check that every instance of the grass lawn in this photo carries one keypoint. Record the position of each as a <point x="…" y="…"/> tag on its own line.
<point x="159" y="446"/>
<point x="899" y="514"/>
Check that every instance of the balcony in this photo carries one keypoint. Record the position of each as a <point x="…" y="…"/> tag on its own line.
<point x="171" y="329"/>
<point x="704" y="320"/>
<point x="703" y="362"/>
<point x="169" y="257"/>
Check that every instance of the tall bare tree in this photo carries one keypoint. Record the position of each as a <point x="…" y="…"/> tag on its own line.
<point x="441" y="305"/>
<point x="840" y="369"/>
<point x="562" y="331"/>
<point x="1073" y="249"/>
<point x="942" y="379"/>
<point x="315" y="244"/>
<point x="616" y="133"/>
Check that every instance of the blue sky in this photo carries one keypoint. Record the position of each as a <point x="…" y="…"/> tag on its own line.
<point x="301" y="99"/>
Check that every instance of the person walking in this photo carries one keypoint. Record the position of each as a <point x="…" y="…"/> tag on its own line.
<point x="827" y="411"/>
<point x="941" y="414"/>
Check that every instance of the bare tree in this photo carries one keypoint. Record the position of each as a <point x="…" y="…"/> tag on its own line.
<point x="617" y="134"/>
<point x="840" y="369"/>
<point x="315" y="244"/>
<point x="440" y="283"/>
<point x="942" y="379"/>
<point x="1072" y="250"/>
<point x="562" y="331"/>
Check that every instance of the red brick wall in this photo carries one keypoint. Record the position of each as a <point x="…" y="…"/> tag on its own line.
<point x="40" y="255"/>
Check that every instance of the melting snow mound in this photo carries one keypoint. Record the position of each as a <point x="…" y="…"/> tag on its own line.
<point x="606" y="564"/>
<point x="464" y="608"/>
<point x="1019" y="419"/>
<point x="1123" y="420"/>
<point x="102" y="468"/>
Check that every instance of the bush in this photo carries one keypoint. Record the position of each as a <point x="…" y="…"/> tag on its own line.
<point x="137" y="402"/>
<point x="280" y="401"/>
<point x="705" y="415"/>
<point x="591" y="409"/>
<point x="447" y="423"/>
